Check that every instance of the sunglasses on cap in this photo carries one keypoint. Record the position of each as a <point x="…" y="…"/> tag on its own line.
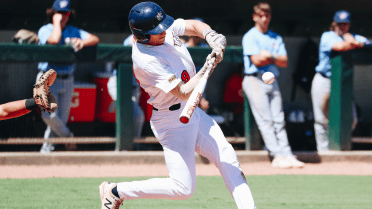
<point x="65" y="13"/>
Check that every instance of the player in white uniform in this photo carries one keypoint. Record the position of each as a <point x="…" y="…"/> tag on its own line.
<point x="165" y="70"/>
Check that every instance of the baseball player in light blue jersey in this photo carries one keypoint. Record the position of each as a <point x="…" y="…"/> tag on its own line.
<point x="337" y="38"/>
<point x="264" y="51"/>
<point x="55" y="33"/>
<point x="138" y="115"/>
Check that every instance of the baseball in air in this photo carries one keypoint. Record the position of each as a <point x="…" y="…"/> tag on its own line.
<point x="268" y="77"/>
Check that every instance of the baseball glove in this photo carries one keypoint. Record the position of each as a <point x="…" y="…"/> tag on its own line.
<point x="42" y="95"/>
<point x="25" y="36"/>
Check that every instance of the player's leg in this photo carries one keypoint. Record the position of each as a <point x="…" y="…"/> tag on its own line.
<point x="178" y="141"/>
<point x="276" y="107"/>
<point x="138" y="119"/>
<point x="57" y="120"/>
<point x="212" y="144"/>
<point x="257" y="93"/>
<point x="320" y="92"/>
<point x="355" y="116"/>
<point x="112" y="87"/>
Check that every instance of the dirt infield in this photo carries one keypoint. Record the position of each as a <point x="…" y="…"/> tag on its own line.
<point x="259" y="168"/>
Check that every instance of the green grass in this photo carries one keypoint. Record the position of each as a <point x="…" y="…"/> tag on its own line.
<point x="269" y="192"/>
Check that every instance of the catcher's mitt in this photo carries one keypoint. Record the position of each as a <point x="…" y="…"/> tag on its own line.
<point x="42" y="95"/>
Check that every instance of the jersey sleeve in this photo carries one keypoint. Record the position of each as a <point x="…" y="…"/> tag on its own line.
<point x="83" y="34"/>
<point x="327" y="41"/>
<point x="250" y="44"/>
<point x="178" y="27"/>
<point x="281" y="47"/>
<point x="43" y="34"/>
<point x="360" y="38"/>
<point x="160" y="75"/>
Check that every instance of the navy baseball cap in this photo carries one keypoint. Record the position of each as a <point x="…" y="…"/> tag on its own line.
<point x="342" y="16"/>
<point x="62" y="5"/>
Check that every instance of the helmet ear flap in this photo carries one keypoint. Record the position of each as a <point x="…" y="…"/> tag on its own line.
<point x="142" y="38"/>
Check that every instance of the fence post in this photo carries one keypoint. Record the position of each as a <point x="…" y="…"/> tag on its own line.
<point x="340" y="105"/>
<point x="124" y="108"/>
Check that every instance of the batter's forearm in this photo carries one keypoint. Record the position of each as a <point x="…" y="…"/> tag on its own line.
<point x="183" y="90"/>
<point x="195" y="28"/>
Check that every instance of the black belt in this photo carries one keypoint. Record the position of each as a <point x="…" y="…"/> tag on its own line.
<point x="171" y="108"/>
<point x="252" y="74"/>
<point x="63" y="76"/>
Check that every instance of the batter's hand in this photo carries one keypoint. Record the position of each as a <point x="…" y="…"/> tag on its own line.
<point x="206" y="64"/>
<point x="218" y="44"/>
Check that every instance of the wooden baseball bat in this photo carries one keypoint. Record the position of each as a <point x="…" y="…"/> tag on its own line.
<point x="194" y="99"/>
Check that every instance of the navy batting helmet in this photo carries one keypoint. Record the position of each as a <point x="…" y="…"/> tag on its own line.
<point x="148" y="18"/>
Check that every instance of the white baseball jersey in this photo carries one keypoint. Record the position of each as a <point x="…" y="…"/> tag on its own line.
<point x="159" y="69"/>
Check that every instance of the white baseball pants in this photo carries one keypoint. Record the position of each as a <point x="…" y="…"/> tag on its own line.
<point x="180" y="142"/>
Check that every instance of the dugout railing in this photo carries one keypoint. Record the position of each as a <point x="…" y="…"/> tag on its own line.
<point x="340" y="103"/>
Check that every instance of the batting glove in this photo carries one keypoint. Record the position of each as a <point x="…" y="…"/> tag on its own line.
<point x="217" y="42"/>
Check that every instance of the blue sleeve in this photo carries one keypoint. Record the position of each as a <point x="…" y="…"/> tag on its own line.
<point x="327" y="41"/>
<point x="281" y="48"/>
<point x="250" y="45"/>
<point x="360" y="38"/>
<point x="43" y="34"/>
<point x="83" y="34"/>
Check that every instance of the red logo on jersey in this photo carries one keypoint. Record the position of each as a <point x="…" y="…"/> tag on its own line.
<point x="185" y="77"/>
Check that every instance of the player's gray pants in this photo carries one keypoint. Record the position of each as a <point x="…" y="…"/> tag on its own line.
<point x="63" y="90"/>
<point x="320" y="92"/>
<point x="138" y="115"/>
<point x="266" y="104"/>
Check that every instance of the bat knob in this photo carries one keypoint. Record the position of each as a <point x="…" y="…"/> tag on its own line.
<point x="184" y="119"/>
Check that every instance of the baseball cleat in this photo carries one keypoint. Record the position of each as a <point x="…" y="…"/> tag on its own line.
<point x="281" y="162"/>
<point x="109" y="200"/>
<point x="295" y="163"/>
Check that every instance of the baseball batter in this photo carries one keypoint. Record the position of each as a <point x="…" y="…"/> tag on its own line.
<point x="165" y="69"/>
<point x="264" y="51"/>
<point x="337" y="39"/>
